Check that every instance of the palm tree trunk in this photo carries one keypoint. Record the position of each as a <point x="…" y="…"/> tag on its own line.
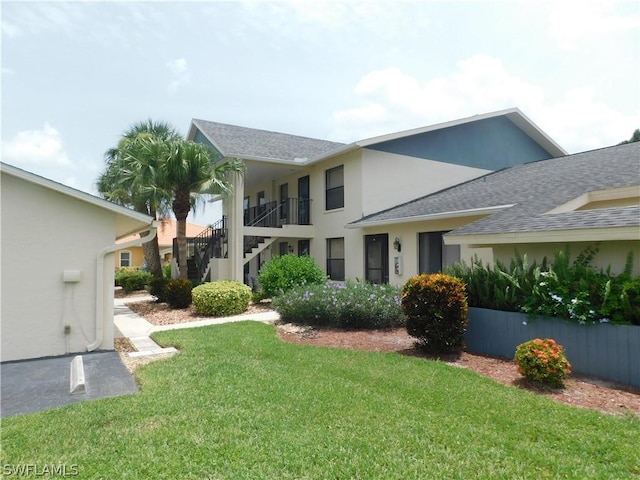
<point x="151" y="251"/>
<point x="181" y="207"/>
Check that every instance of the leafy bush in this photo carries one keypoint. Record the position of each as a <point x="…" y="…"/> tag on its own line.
<point x="630" y="300"/>
<point x="572" y="290"/>
<point x="157" y="288"/>
<point x="132" y="279"/>
<point x="221" y="298"/>
<point x="166" y="271"/>
<point x="543" y="361"/>
<point x="436" y="309"/>
<point x="353" y="305"/>
<point x="178" y="293"/>
<point x="281" y="274"/>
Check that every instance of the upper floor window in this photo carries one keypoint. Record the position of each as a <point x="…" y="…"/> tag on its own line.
<point x="335" y="188"/>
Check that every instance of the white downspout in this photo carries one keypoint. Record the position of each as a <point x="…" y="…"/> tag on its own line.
<point x="100" y="279"/>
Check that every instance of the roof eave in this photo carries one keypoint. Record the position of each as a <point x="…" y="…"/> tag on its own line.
<point x="77" y="194"/>
<point x="470" y="212"/>
<point x="545" y="236"/>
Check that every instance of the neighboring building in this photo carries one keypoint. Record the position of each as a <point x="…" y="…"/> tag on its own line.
<point x="302" y="195"/>
<point x="57" y="257"/>
<point x="581" y="200"/>
<point x="134" y="256"/>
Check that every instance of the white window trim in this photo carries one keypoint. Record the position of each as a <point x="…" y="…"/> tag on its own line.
<point x="120" y="258"/>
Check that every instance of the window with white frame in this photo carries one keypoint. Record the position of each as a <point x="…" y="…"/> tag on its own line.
<point x="334" y="188"/>
<point x="125" y="258"/>
<point x="335" y="258"/>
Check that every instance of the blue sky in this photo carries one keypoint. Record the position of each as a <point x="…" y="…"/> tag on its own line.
<point x="75" y="75"/>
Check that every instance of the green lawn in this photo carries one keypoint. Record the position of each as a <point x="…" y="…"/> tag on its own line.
<point x="238" y="403"/>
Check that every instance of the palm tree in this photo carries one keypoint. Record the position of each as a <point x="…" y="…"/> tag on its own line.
<point x="130" y="178"/>
<point x="190" y="172"/>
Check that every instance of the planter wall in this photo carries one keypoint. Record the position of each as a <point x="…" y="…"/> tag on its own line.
<point x="610" y="352"/>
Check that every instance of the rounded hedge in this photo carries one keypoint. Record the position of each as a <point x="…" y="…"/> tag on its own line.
<point x="177" y="293"/>
<point x="436" y="309"/>
<point x="131" y="279"/>
<point x="221" y="298"/>
<point x="282" y="273"/>
<point x="544" y="361"/>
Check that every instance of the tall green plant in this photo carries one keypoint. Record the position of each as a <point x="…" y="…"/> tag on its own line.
<point x="561" y="288"/>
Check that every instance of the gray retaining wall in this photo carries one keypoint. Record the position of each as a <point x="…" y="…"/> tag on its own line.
<point x="610" y="352"/>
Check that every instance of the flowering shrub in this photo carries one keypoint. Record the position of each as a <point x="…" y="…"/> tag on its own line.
<point x="543" y="361"/>
<point x="353" y="305"/>
<point x="436" y="310"/>
<point x="575" y="291"/>
<point x="223" y="297"/>
<point x="281" y="274"/>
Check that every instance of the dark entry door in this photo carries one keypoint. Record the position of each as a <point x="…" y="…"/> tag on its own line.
<point x="376" y="248"/>
<point x="284" y="203"/>
<point x="304" y="217"/>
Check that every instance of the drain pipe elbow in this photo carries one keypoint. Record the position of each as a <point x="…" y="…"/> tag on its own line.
<point x="153" y="229"/>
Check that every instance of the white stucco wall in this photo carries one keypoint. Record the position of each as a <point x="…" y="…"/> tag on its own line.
<point x="45" y="233"/>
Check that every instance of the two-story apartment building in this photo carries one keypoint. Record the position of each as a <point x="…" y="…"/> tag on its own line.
<point x="301" y="195"/>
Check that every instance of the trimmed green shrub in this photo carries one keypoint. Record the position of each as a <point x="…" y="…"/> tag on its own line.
<point x="166" y="271"/>
<point x="543" y="361"/>
<point x="221" y="298"/>
<point x="281" y="274"/>
<point x="157" y="288"/>
<point x="132" y="279"/>
<point x="178" y="293"/>
<point x="436" y="309"/>
<point x="350" y="306"/>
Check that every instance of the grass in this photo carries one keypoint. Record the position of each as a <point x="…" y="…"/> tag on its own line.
<point x="237" y="403"/>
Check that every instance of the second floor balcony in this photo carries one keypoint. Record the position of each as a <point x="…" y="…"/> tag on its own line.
<point x="292" y="211"/>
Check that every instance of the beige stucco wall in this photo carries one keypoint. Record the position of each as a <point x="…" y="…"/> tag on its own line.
<point x="373" y="181"/>
<point x="389" y="179"/>
<point x="612" y="254"/>
<point x="45" y="233"/>
<point x="408" y="235"/>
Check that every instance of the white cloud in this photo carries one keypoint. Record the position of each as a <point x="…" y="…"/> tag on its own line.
<point x="181" y="73"/>
<point x="42" y="148"/>
<point x="9" y="29"/>
<point x="480" y="84"/>
<point x="392" y="100"/>
<point x="572" y="23"/>
<point x="580" y="121"/>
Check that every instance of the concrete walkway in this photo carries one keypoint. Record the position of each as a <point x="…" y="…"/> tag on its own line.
<point x="138" y="330"/>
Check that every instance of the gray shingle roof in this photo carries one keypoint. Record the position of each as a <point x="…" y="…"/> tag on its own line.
<point x="534" y="189"/>
<point x="243" y="142"/>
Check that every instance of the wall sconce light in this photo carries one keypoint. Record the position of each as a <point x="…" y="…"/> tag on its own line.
<point x="290" y="249"/>
<point x="397" y="245"/>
